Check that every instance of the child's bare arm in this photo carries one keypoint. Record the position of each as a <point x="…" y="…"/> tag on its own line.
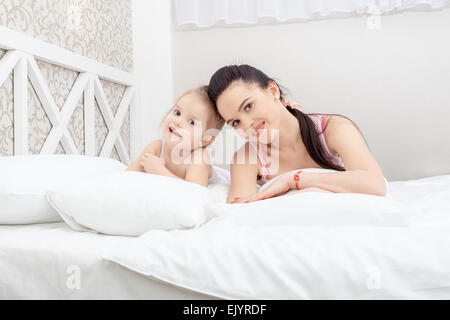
<point x="153" y="164"/>
<point x="199" y="170"/>
<point x="151" y="148"/>
<point x="163" y="171"/>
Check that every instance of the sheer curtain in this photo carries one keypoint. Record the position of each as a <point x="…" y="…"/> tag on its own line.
<point x="209" y="13"/>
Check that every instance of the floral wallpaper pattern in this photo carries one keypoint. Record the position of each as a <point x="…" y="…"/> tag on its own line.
<point x="97" y="29"/>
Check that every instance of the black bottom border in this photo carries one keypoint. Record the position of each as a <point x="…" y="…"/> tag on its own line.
<point x="233" y="309"/>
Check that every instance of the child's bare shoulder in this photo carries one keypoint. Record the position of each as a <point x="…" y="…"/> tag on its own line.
<point x="153" y="147"/>
<point x="158" y="146"/>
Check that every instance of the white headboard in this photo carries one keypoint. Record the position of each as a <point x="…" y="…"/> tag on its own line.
<point x="20" y="58"/>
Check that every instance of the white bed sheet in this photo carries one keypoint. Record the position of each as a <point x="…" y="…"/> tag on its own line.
<point x="43" y="261"/>
<point x="235" y="261"/>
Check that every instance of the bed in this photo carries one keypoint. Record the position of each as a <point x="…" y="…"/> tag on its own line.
<point x="54" y="261"/>
<point x="43" y="261"/>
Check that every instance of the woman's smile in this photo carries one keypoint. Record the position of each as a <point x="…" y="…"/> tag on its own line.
<point x="259" y="128"/>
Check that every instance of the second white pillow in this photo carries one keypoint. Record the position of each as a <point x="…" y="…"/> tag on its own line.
<point x="131" y="203"/>
<point x="318" y="209"/>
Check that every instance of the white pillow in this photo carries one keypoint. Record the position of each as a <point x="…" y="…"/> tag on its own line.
<point x="219" y="176"/>
<point x="24" y="179"/>
<point x="318" y="209"/>
<point x="131" y="203"/>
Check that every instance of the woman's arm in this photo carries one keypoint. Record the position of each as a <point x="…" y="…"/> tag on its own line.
<point x="243" y="175"/>
<point x="362" y="175"/>
<point x="338" y="182"/>
<point x="354" y="181"/>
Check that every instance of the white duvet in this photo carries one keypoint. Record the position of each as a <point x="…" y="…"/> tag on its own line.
<point x="234" y="261"/>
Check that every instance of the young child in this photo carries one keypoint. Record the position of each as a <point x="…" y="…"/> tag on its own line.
<point x="188" y="128"/>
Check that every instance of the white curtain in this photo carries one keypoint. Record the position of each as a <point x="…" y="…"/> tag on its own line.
<point x="208" y="13"/>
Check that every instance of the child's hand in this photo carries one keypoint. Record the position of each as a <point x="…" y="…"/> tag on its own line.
<point x="152" y="163"/>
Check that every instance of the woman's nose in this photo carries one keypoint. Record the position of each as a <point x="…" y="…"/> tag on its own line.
<point x="246" y="123"/>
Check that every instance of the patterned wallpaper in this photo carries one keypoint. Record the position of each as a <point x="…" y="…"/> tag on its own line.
<point x="97" y="29"/>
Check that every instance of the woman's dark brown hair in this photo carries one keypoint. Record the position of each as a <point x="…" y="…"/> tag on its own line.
<point x="222" y="79"/>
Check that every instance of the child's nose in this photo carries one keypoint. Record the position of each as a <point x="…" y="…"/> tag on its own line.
<point x="178" y="123"/>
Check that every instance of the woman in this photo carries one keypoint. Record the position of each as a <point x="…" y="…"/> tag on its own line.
<point x="283" y="140"/>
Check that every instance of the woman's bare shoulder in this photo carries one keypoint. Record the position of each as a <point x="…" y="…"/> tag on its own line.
<point x="336" y="119"/>
<point x="333" y="124"/>
<point x="332" y="121"/>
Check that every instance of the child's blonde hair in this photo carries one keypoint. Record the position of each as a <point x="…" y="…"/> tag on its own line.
<point x="216" y="121"/>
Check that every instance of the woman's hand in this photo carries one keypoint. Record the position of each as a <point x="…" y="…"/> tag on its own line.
<point x="279" y="187"/>
<point x="152" y="163"/>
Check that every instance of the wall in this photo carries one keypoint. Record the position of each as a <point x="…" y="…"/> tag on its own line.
<point x="99" y="30"/>
<point x="152" y="41"/>
<point x="393" y="82"/>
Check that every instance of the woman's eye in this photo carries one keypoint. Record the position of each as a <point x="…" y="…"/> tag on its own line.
<point x="176" y="112"/>
<point x="235" y="123"/>
<point x="191" y="122"/>
<point x="248" y="107"/>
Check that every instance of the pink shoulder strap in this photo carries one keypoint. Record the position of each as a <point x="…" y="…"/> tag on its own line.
<point x="323" y="117"/>
<point x="262" y="159"/>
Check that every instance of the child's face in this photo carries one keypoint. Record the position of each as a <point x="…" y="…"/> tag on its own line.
<point x="187" y="121"/>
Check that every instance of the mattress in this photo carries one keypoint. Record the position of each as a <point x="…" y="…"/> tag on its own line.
<point x="53" y="261"/>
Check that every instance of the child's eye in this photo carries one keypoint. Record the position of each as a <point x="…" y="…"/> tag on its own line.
<point x="176" y="112"/>
<point x="191" y="122"/>
<point x="248" y="107"/>
<point x="235" y="123"/>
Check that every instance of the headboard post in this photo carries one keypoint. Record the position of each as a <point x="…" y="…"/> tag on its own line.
<point x="21" y="106"/>
<point x="20" y="58"/>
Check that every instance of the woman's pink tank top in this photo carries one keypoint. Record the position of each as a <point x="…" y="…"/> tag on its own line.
<point x="319" y="121"/>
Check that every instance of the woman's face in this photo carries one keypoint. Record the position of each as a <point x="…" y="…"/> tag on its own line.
<point x="252" y="111"/>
